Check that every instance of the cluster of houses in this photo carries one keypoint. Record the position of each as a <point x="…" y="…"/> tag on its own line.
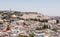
<point x="13" y="23"/>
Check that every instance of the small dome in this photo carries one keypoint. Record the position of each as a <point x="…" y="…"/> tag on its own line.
<point x="13" y="16"/>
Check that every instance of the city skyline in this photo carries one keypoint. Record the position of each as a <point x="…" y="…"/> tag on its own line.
<point x="46" y="7"/>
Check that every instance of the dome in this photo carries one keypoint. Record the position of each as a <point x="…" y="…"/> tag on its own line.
<point x="13" y="16"/>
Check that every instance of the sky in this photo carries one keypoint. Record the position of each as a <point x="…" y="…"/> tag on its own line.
<point x="46" y="7"/>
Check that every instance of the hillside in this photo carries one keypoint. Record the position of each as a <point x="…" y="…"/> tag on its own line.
<point x="15" y="23"/>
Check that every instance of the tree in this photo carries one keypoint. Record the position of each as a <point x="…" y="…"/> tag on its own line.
<point x="22" y="35"/>
<point x="45" y="27"/>
<point x="32" y="35"/>
<point x="8" y="28"/>
<point x="54" y="29"/>
<point x="57" y="21"/>
<point x="38" y="28"/>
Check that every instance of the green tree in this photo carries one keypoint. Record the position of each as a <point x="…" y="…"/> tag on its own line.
<point x="22" y="35"/>
<point x="32" y="35"/>
<point x="8" y="28"/>
<point x="45" y="27"/>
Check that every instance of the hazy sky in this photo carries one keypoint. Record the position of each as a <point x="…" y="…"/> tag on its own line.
<point x="47" y="7"/>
